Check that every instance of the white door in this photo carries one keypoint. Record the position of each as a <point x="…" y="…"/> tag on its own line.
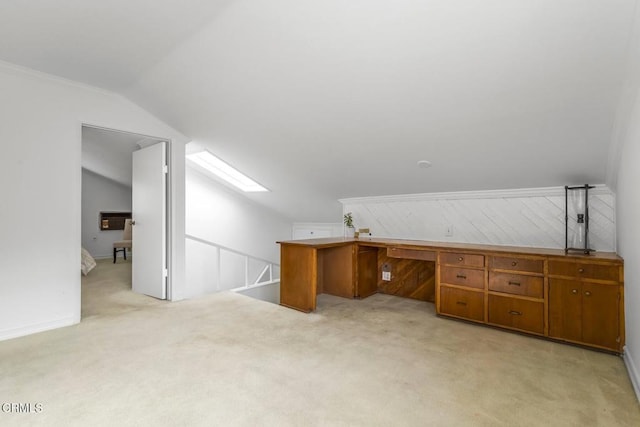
<point x="149" y="211"/>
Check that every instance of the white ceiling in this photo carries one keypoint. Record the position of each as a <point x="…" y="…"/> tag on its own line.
<point x="321" y="100"/>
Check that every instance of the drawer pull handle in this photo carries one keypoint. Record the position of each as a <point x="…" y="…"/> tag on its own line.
<point x="515" y="313"/>
<point x="581" y="270"/>
<point x="461" y="276"/>
<point x="461" y="303"/>
<point x="460" y="259"/>
<point x="587" y="293"/>
<point x="514" y="283"/>
<point x="574" y="291"/>
<point x="514" y="263"/>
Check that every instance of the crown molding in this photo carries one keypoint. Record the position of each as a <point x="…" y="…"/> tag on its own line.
<point x="599" y="189"/>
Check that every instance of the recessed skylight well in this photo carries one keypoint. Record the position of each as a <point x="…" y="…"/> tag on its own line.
<point x="224" y="171"/>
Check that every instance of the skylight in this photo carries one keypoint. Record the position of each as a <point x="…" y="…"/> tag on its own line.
<point x="225" y="172"/>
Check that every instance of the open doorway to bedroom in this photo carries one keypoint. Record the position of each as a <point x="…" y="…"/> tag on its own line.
<point x="107" y="190"/>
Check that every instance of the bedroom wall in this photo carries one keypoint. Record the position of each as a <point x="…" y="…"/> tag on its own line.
<point x="221" y="215"/>
<point x="100" y="194"/>
<point x="41" y="135"/>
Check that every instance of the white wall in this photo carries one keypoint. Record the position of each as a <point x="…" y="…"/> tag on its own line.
<point x="316" y="230"/>
<point x="40" y="129"/>
<point x="526" y="217"/>
<point x="625" y="177"/>
<point x="629" y="243"/>
<point x="220" y="215"/>
<point x="100" y="194"/>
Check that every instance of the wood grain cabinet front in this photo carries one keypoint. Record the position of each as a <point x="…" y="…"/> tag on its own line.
<point x="585" y="313"/>
<point x="574" y="298"/>
<point x="513" y="263"/>
<point x="579" y="270"/>
<point x="462" y="278"/>
<point x="467" y="260"/>
<point x="467" y="277"/>
<point x="516" y="313"/>
<point x="516" y="284"/>
<point x="463" y="303"/>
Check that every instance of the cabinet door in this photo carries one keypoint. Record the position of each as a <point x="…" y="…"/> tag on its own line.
<point x="298" y="277"/>
<point x="336" y="271"/>
<point x="462" y="303"/>
<point x="600" y="316"/>
<point x="367" y="272"/>
<point x="565" y="309"/>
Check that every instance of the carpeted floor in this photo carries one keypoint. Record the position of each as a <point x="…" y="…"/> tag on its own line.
<point x="228" y="360"/>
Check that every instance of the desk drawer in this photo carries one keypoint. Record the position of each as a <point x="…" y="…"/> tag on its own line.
<point x="468" y="260"/>
<point x="516" y="313"/>
<point x="516" y="284"/>
<point x="585" y="271"/>
<point x="418" y="254"/>
<point x="462" y="303"/>
<point x="517" y="264"/>
<point x="462" y="276"/>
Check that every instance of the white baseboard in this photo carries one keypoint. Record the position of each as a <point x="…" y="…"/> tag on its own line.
<point x="34" y="328"/>
<point x="633" y="372"/>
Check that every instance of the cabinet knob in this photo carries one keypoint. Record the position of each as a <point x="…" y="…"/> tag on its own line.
<point x="587" y="293"/>
<point x="574" y="291"/>
<point x="581" y="270"/>
<point x="460" y="259"/>
<point x="514" y="263"/>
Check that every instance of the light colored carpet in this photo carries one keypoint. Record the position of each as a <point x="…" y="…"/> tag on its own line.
<point x="228" y="360"/>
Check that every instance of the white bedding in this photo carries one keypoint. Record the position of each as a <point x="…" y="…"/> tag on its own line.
<point x="87" y="263"/>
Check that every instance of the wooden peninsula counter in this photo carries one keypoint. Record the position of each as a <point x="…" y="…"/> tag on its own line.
<point x="544" y="292"/>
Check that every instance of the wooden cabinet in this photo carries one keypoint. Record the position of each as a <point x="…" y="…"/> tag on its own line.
<point x="367" y="272"/>
<point x="586" y="313"/>
<point x="585" y="303"/>
<point x="468" y="260"/>
<point x="516" y="313"/>
<point x="514" y="263"/>
<point x="573" y="298"/>
<point x="516" y="284"/>
<point x="467" y="277"/>
<point x="607" y="272"/>
<point x="462" y="285"/>
<point x="516" y="293"/>
<point x="463" y="303"/>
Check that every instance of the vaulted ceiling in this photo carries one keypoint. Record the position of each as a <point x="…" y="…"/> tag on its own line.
<point x="322" y="100"/>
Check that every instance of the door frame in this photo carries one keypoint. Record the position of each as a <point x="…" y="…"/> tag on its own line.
<point x="168" y="201"/>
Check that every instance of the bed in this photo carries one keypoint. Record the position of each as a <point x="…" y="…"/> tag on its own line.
<point x="87" y="263"/>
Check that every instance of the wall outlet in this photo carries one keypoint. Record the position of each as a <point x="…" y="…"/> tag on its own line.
<point x="386" y="276"/>
<point x="448" y="231"/>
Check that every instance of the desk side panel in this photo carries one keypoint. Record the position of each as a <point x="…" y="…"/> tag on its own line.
<point x="298" y="277"/>
<point x="338" y="275"/>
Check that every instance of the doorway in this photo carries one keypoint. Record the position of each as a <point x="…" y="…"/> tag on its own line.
<point x="108" y="185"/>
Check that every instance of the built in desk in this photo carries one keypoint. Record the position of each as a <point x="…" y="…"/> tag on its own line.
<point x="572" y="298"/>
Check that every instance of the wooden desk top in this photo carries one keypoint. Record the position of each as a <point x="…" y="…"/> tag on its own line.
<point x="448" y="246"/>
